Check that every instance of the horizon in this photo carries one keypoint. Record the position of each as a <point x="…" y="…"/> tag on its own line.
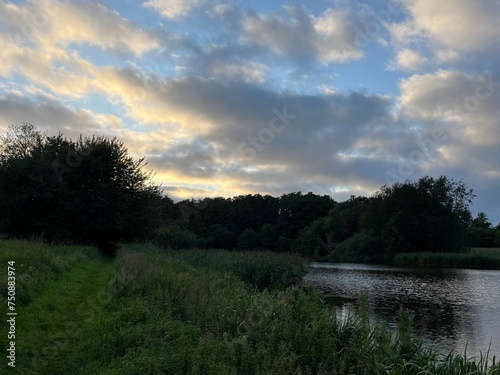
<point x="228" y="98"/>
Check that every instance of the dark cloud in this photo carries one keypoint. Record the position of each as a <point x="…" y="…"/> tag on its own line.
<point x="46" y="113"/>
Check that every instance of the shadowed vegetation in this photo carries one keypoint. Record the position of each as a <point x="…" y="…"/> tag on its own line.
<point x="160" y="314"/>
<point x="477" y="258"/>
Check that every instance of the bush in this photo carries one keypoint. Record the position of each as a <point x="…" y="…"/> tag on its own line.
<point x="307" y="240"/>
<point x="364" y="246"/>
<point x="248" y="240"/>
<point x="480" y="237"/>
<point x="175" y="238"/>
<point x="472" y="260"/>
<point x="223" y="238"/>
<point x="283" y="244"/>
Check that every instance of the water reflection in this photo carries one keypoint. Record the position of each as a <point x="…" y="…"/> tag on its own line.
<point x="452" y="308"/>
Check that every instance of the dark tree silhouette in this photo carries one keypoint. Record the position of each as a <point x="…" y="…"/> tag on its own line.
<point x="87" y="191"/>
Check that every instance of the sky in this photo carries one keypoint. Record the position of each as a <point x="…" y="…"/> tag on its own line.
<point x="238" y="97"/>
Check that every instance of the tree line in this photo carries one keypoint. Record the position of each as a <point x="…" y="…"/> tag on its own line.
<point x="90" y="191"/>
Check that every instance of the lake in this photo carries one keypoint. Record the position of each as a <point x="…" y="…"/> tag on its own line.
<point x="453" y="308"/>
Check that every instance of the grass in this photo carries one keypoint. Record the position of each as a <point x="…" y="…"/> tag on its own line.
<point x="165" y="313"/>
<point x="38" y="264"/>
<point x="262" y="269"/>
<point x="475" y="258"/>
<point x="54" y="290"/>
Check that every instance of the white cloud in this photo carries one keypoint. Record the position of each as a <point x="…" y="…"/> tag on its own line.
<point x="172" y="8"/>
<point x="54" y="24"/>
<point x="409" y="60"/>
<point x="458" y="24"/>
<point x="95" y="24"/>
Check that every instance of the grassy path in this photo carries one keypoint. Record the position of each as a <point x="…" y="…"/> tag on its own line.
<point x="49" y="325"/>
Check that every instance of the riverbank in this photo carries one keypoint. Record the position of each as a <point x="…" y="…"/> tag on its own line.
<point x="475" y="258"/>
<point x="169" y="312"/>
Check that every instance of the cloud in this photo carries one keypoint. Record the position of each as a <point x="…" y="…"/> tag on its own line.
<point x="302" y="37"/>
<point x="48" y="114"/>
<point x="462" y="110"/>
<point x="246" y="71"/>
<point x="462" y="24"/>
<point x="409" y="60"/>
<point x="449" y="27"/>
<point x="53" y="24"/>
<point x="253" y="100"/>
<point x="172" y="8"/>
<point x="309" y="145"/>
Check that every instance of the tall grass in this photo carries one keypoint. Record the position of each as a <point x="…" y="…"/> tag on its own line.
<point x="262" y="269"/>
<point x="173" y="318"/>
<point x="37" y="264"/>
<point x="474" y="259"/>
<point x="182" y="313"/>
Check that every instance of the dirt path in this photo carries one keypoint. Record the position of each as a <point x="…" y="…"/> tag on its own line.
<point x="54" y="320"/>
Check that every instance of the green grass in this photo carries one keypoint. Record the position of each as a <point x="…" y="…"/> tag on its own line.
<point x="263" y="269"/>
<point x="38" y="264"/>
<point x="56" y="291"/>
<point x="493" y="252"/>
<point x="475" y="258"/>
<point x="149" y="312"/>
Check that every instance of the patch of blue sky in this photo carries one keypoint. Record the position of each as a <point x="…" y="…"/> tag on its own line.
<point x="365" y="74"/>
<point x="133" y="11"/>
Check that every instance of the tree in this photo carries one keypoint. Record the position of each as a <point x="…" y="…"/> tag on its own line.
<point x="88" y="191"/>
<point x="20" y="141"/>
<point x="309" y="237"/>
<point x="427" y="215"/>
<point x="481" y="237"/>
<point x="297" y="210"/>
<point x="175" y="238"/>
<point x="268" y="234"/>
<point x="248" y="240"/>
<point x="283" y="244"/>
<point x="335" y="226"/>
<point x="481" y="221"/>
<point x="223" y="238"/>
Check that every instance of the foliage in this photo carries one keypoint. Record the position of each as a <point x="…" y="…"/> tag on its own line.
<point x="38" y="264"/>
<point x="481" y="232"/>
<point x="427" y="215"/>
<point x="335" y="225"/>
<point x="261" y="269"/>
<point x="481" y="236"/>
<point x="220" y="237"/>
<point x="268" y="235"/>
<point x="175" y="238"/>
<point x="474" y="259"/>
<point x="481" y="221"/>
<point x="298" y="210"/>
<point x="269" y="216"/>
<point x="307" y="240"/>
<point x="89" y="190"/>
<point x="248" y="240"/>
<point x="164" y="316"/>
<point x="364" y="246"/>
<point x="284" y="244"/>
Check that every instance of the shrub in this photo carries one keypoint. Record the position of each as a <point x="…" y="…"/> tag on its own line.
<point x="175" y="238"/>
<point x="480" y="237"/>
<point x="248" y="240"/>
<point x="363" y="246"/>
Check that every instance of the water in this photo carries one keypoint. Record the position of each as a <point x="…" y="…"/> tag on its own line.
<point x="453" y="308"/>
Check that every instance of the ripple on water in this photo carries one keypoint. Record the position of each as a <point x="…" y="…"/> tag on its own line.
<point x="452" y="307"/>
